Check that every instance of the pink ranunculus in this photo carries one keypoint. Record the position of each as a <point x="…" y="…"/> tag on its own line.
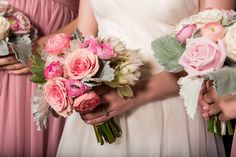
<point x="54" y="69"/>
<point x="81" y="63"/>
<point x="56" y="96"/>
<point x="91" y="43"/>
<point x="103" y="50"/>
<point x="185" y="33"/>
<point x="202" y="56"/>
<point x="75" y="88"/>
<point x="86" y="102"/>
<point x="57" y="44"/>
<point x="213" y="31"/>
<point x="20" y="24"/>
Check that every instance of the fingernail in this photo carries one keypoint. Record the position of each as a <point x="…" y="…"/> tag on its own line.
<point x="89" y="122"/>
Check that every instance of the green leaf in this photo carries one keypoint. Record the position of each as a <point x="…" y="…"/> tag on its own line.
<point x="38" y="79"/>
<point x="167" y="51"/>
<point x="224" y="80"/>
<point x="4" y="48"/>
<point x="125" y="91"/>
<point x="78" y="35"/>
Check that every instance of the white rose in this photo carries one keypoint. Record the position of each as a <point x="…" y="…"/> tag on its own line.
<point x="230" y="40"/>
<point x="4" y="27"/>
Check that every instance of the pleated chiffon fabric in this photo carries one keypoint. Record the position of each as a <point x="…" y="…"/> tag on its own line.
<point x="18" y="133"/>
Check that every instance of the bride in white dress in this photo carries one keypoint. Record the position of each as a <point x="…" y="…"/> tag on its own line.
<point x="151" y="125"/>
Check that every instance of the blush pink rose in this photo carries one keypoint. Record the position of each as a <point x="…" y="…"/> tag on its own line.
<point x="56" y="96"/>
<point x="202" y="56"/>
<point x="81" y="63"/>
<point x="86" y="102"/>
<point x="185" y="33"/>
<point x="57" y="44"/>
<point x="213" y="31"/>
<point x="103" y="50"/>
<point x="20" y="24"/>
<point x="75" y="88"/>
<point x="54" y="69"/>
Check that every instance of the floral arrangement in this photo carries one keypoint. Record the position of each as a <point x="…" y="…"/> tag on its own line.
<point x="16" y="33"/>
<point x="70" y="67"/>
<point x="204" y="46"/>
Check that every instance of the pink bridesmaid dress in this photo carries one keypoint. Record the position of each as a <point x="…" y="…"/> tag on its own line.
<point x="18" y="134"/>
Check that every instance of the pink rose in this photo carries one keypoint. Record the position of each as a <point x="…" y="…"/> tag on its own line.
<point x="185" y="33"/>
<point x="86" y="102"/>
<point x="202" y="56"/>
<point x="57" y="44"/>
<point x="213" y="31"/>
<point x="75" y="88"/>
<point x="20" y="24"/>
<point x="81" y="63"/>
<point x="56" y="96"/>
<point x="54" y="69"/>
<point x="103" y="50"/>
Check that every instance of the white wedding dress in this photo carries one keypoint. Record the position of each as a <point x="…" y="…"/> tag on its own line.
<point x="160" y="128"/>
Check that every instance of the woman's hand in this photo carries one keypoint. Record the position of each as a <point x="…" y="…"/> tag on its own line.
<point x="113" y="105"/>
<point x="13" y="66"/>
<point x="208" y="100"/>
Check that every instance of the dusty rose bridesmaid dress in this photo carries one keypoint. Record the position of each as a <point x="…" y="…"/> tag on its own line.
<point x="18" y="134"/>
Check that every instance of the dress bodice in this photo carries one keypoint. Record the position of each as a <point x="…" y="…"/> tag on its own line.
<point x="138" y="22"/>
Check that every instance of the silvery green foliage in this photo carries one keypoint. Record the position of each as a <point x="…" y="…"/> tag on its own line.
<point x="168" y="51"/>
<point x="40" y="108"/>
<point x="189" y="90"/>
<point x="105" y="75"/>
<point x="4" y="48"/>
<point x="224" y="80"/>
<point x="22" y="48"/>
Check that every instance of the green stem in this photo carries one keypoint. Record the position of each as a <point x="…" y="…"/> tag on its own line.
<point x="229" y="127"/>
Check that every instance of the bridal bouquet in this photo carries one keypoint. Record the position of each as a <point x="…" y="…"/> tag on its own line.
<point x="70" y="67"/>
<point x="16" y="33"/>
<point x="204" y="45"/>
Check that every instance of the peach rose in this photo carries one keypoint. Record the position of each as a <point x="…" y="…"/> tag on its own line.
<point x="56" y="96"/>
<point x="57" y="44"/>
<point x="86" y="102"/>
<point x="81" y="63"/>
<point x="202" y="56"/>
<point x="213" y="31"/>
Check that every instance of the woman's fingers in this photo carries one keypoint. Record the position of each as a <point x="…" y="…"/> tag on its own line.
<point x="23" y="71"/>
<point x="8" y="60"/>
<point x="15" y="66"/>
<point x="223" y="117"/>
<point x="214" y="109"/>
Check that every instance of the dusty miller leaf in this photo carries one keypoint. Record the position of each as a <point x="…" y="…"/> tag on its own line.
<point x="4" y="48"/>
<point x="22" y="48"/>
<point x="40" y="109"/>
<point x="224" y="80"/>
<point x="167" y="51"/>
<point x="189" y="91"/>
